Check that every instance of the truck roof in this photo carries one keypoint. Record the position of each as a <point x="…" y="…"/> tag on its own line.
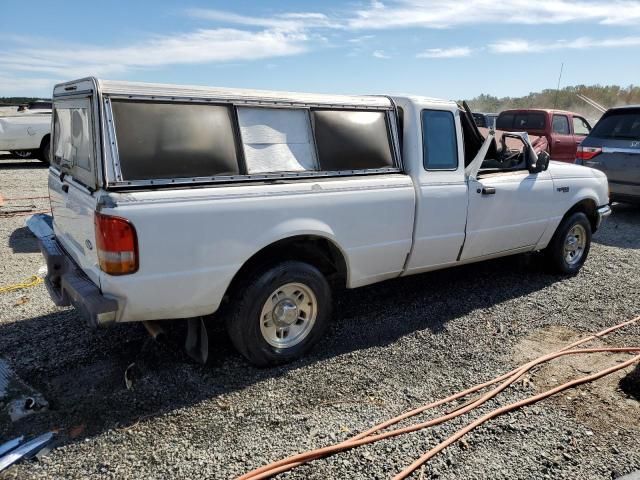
<point x="117" y="87"/>
<point x="624" y="107"/>
<point x="132" y="89"/>
<point x="544" y="110"/>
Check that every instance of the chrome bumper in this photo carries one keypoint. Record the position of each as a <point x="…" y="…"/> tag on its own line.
<point x="603" y="212"/>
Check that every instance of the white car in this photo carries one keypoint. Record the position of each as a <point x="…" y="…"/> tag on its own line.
<point x="27" y="133"/>
<point x="174" y="202"/>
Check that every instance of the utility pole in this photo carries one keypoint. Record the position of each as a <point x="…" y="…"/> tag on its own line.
<point x="555" y="102"/>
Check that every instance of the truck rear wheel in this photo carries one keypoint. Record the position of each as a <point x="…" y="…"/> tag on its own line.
<point x="568" y="249"/>
<point x="280" y="314"/>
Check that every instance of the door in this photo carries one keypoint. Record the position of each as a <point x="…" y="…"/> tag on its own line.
<point x="441" y="200"/>
<point x="508" y="211"/>
<point x="72" y="181"/>
<point x="563" y="146"/>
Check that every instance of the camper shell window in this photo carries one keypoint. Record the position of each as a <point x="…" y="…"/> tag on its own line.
<point x="157" y="141"/>
<point x="352" y="140"/>
<point x="276" y="139"/>
<point x="174" y="140"/>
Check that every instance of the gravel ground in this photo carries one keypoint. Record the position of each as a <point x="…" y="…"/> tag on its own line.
<point x="391" y="346"/>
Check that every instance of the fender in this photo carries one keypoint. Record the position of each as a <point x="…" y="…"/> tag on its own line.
<point x="300" y="227"/>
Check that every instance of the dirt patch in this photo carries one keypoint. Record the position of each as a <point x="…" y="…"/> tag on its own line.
<point x="607" y="404"/>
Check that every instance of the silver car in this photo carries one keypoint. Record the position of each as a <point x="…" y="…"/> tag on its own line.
<point x="613" y="146"/>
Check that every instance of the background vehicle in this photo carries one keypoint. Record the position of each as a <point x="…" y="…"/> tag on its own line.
<point x="564" y="130"/>
<point x="175" y="202"/>
<point x="36" y="105"/>
<point x="613" y="146"/>
<point x="485" y="120"/>
<point x="27" y="133"/>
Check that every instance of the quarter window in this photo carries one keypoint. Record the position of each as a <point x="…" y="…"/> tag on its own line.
<point x="439" y="140"/>
<point x="276" y="140"/>
<point x="580" y="126"/>
<point x="560" y="125"/>
<point x="352" y="140"/>
<point x="174" y="140"/>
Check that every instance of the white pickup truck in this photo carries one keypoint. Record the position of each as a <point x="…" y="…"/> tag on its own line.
<point x="173" y="202"/>
<point x="27" y="133"/>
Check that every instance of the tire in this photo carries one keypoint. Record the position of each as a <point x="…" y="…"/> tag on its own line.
<point x="44" y="154"/>
<point x="569" y="247"/>
<point x="280" y="314"/>
<point x="22" y="153"/>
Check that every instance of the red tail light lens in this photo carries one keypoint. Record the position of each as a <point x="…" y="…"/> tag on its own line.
<point x="587" y="153"/>
<point x="117" y="245"/>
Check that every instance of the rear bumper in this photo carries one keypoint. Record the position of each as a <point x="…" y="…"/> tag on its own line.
<point x="67" y="285"/>
<point x="603" y="212"/>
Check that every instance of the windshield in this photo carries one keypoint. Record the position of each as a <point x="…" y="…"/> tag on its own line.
<point x="621" y="124"/>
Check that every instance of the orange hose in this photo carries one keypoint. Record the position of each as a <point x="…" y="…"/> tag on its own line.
<point x="456" y="396"/>
<point x="296" y="460"/>
<point x="507" y="408"/>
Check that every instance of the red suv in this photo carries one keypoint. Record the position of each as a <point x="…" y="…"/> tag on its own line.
<point x="564" y="131"/>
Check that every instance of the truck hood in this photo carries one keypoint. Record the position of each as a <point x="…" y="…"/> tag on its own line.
<point x="570" y="170"/>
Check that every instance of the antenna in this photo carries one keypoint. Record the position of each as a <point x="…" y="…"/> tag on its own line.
<point x="555" y="102"/>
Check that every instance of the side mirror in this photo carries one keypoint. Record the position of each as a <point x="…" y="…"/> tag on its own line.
<point x="538" y="163"/>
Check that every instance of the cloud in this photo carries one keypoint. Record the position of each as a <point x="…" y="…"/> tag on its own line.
<point x="453" y="52"/>
<point x="525" y="46"/>
<point x="283" y="21"/>
<point x="450" y="13"/>
<point x="200" y="46"/>
<point x="361" y="39"/>
<point x="380" y="54"/>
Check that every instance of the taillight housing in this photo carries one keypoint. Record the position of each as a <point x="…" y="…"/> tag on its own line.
<point x="587" y="153"/>
<point x="116" y="245"/>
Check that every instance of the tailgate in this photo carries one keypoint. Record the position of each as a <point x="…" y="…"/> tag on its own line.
<point x="72" y="182"/>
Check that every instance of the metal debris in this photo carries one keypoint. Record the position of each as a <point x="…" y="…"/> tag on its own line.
<point x="10" y="445"/>
<point x="31" y="447"/>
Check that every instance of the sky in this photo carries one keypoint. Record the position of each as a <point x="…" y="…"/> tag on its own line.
<point x="439" y="48"/>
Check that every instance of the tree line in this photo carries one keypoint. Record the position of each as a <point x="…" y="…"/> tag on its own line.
<point x="564" y="99"/>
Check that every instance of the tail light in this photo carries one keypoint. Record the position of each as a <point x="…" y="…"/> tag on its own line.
<point x="117" y="245"/>
<point x="587" y="153"/>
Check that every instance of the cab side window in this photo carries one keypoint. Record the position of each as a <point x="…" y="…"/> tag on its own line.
<point x="561" y="125"/>
<point x="439" y="142"/>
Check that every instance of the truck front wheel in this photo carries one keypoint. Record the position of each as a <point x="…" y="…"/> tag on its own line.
<point x="280" y="314"/>
<point x="45" y="150"/>
<point x="569" y="247"/>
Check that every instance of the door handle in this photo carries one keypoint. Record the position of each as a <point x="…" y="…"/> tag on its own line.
<point x="65" y="188"/>
<point x="488" y="191"/>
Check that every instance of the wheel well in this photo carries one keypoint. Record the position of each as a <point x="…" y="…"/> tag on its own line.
<point x="589" y="208"/>
<point x="314" y="250"/>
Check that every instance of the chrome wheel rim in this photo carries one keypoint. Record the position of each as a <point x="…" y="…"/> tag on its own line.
<point x="288" y="315"/>
<point x="574" y="244"/>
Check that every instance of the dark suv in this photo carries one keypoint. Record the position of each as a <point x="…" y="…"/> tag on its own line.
<point x="613" y="146"/>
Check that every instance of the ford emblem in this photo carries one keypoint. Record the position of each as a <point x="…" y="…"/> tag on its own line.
<point x="88" y="244"/>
